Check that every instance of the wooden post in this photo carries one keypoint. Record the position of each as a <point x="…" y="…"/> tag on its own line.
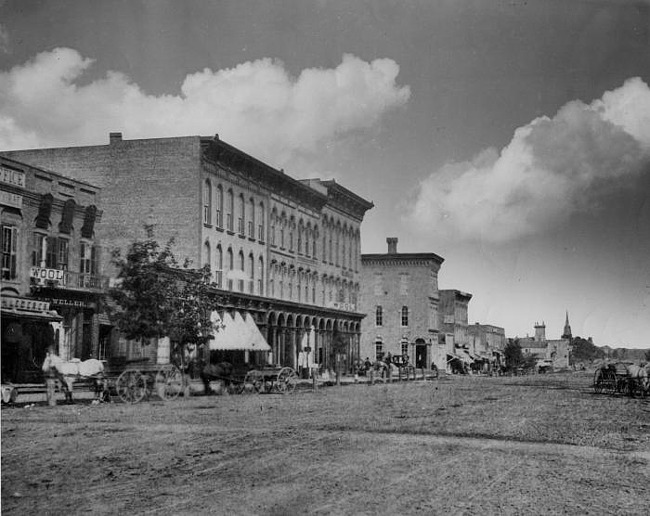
<point x="50" y="384"/>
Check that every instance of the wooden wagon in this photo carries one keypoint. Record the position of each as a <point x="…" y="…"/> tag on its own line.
<point x="133" y="381"/>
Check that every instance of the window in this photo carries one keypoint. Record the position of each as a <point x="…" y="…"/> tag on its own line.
<point x="240" y="282"/>
<point x="9" y="249"/>
<point x="251" y="273"/>
<point x="207" y="202"/>
<point x="260" y="277"/>
<point x="219" y="207"/>
<point x="379" y="350"/>
<point x="379" y="284"/>
<point x="404" y="284"/>
<point x="88" y="264"/>
<point x="230" y="208"/>
<point x="405" y="349"/>
<point x="231" y="266"/>
<point x="405" y="316"/>
<point x="251" y="218"/>
<point x="206" y="254"/>
<point x="241" y="215"/>
<point x="63" y="252"/>
<point x="260" y="222"/>
<point x="379" y="316"/>
<point x="219" y="267"/>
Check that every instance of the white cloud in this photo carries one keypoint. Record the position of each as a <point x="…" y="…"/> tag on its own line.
<point x="256" y="105"/>
<point x="551" y="168"/>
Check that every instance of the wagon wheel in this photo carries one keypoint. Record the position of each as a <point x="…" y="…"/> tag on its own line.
<point x="169" y="382"/>
<point x="256" y="379"/>
<point x="286" y="380"/>
<point x="599" y="381"/>
<point x="610" y="382"/>
<point x="131" y="386"/>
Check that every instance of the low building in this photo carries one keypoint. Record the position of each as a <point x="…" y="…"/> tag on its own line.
<point x="454" y="322"/>
<point x="51" y="288"/>
<point x="487" y="345"/>
<point x="399" y="295"/>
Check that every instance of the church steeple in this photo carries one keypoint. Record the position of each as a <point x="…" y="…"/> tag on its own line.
<point x="567" y="328"/>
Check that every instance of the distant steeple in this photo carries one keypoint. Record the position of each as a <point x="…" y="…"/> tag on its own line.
<point x="567" y="328"/>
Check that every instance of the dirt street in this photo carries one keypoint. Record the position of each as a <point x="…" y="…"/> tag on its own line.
<point x="462" y="445"/>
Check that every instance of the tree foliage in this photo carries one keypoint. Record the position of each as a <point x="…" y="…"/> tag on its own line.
<point x="585" y="350"/>
<point x="155" y="297"/>
<point x="513" y="354"/>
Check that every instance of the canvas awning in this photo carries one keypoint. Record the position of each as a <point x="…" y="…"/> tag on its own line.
<point x="236" y="333"/>
<point x="42" y="315"/>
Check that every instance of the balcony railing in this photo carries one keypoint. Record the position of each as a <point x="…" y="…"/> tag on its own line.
<point x="70" y="280"/>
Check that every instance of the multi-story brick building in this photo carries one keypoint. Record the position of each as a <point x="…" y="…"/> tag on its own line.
<point x="454" y="321"/>
<point x="283" y="250"/>
<point x="50" y="269"/>
<point x="399" y="294"/>
<point x="487" y="344"/>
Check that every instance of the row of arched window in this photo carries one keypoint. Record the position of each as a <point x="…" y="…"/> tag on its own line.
<point x="379" y="316"/>
<point x="285" y="233"/>
<point x="341" y="244"/>
<point x="239" y="273"/>
<point x="234" y="213"/>
<point x="308" y="287"/>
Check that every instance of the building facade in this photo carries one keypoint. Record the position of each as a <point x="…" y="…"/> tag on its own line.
<point x="399" y="295"/>
<point x="51" y="255"/>
<point x="454" y="322"/>
<point x="555" y="350"/>
<point x="285" y="251"/>
<point x="487" y="344"/>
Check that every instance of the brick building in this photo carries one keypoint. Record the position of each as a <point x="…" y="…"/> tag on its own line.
<point x="282" y="250"/>
<point x="399" y="295"/>
<point x="487" y="344"/>
<point x="51" y="287"/>
<point x="454" y="322"/>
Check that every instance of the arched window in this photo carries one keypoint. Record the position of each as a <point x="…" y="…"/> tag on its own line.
<point x="379" y="316"/>
<point x="207" y="202"/>
<point x="274" y="222"/>
<point x="405" y="316"/>
<point x="241" y="215"/>
<point x="219" y="267"/>
<point x="251" y="218"/>
<point x="292" y="227"/>
<point x="314" y="251"/>
<point x="344" y="253"/>
<point x="251" y="273"/>
<point x="260" y="276"/>
<point x="231" y="267"/>
<point x="230" y="209"/>
<point x="219" y="208"/>
<point x="325" y="231"/>
<point x="260" y="222"/>
<point x="206" y="254"/>
<point x="240" y="281"/>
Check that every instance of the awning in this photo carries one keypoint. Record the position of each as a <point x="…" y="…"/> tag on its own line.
<point x="237" y="334"/>
<point x="44" y="315"/>
<point x="465" y="356"/>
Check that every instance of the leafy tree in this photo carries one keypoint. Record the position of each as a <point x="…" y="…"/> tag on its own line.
<point x="585" y="350"/>
<point x="156" y="298"/>
<point x="513" y="355"/>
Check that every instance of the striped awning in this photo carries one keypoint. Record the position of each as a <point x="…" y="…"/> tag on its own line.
<point x="236" y="333"/>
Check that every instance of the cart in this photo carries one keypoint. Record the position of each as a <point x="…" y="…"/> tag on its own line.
<point x="139" y="380"/>
<point x="271" y="379"/>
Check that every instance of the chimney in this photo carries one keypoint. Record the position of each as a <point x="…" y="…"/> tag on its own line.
<point x="392" y="245"/>
<point x="114" y="137"/>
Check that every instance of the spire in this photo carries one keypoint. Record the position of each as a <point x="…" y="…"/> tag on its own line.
<point x="567" y="328"/>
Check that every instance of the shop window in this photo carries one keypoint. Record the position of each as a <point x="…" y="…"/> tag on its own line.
<point x="9" y="251"/>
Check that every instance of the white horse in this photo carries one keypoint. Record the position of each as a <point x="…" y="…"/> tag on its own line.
<point x="69" y="372"/>
<point x="640" y="381"/>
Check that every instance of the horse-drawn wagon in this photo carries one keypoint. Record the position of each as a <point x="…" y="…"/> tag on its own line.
<point x="622" y="378"/>
<point x="261" y="379"/>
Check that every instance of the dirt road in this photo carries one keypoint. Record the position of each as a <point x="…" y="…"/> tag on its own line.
<point x="464" y="445"/>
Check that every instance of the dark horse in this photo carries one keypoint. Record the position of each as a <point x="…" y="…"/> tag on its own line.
<point x="221" y="371"/>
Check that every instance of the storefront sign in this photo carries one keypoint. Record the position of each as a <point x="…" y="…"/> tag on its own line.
<point x="350" y="307"/>
<point x="11" y="199"/>
<point x="47" y="274"/>
<point x="12" y="177"/>
<point x="21" y="303"/>
<point x="79" y="303"/>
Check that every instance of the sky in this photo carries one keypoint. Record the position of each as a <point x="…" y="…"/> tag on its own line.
<point x="510" y="137"/>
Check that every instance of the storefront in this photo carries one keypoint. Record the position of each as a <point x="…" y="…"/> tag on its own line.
<point x="29" y="327"/>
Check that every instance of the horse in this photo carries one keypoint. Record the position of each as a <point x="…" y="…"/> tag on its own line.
<point x="638" y="378"/>
<point x="67" y="372"/>
<point x="221" y="371"/>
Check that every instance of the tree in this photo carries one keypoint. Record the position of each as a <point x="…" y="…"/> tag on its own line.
<point x="513" y="355"/>
<point x="156" y="298"/>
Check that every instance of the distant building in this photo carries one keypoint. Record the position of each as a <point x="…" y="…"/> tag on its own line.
<point x="558" y="350"/>
<point x="454" y="322"/>
<point x="399" y="295"/>
<point x="51" y="287"/>
<point x="487" y="344"/>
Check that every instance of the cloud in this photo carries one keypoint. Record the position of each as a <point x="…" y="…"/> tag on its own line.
<point x="256" y="105"/>
<point x="551" y="168"/>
